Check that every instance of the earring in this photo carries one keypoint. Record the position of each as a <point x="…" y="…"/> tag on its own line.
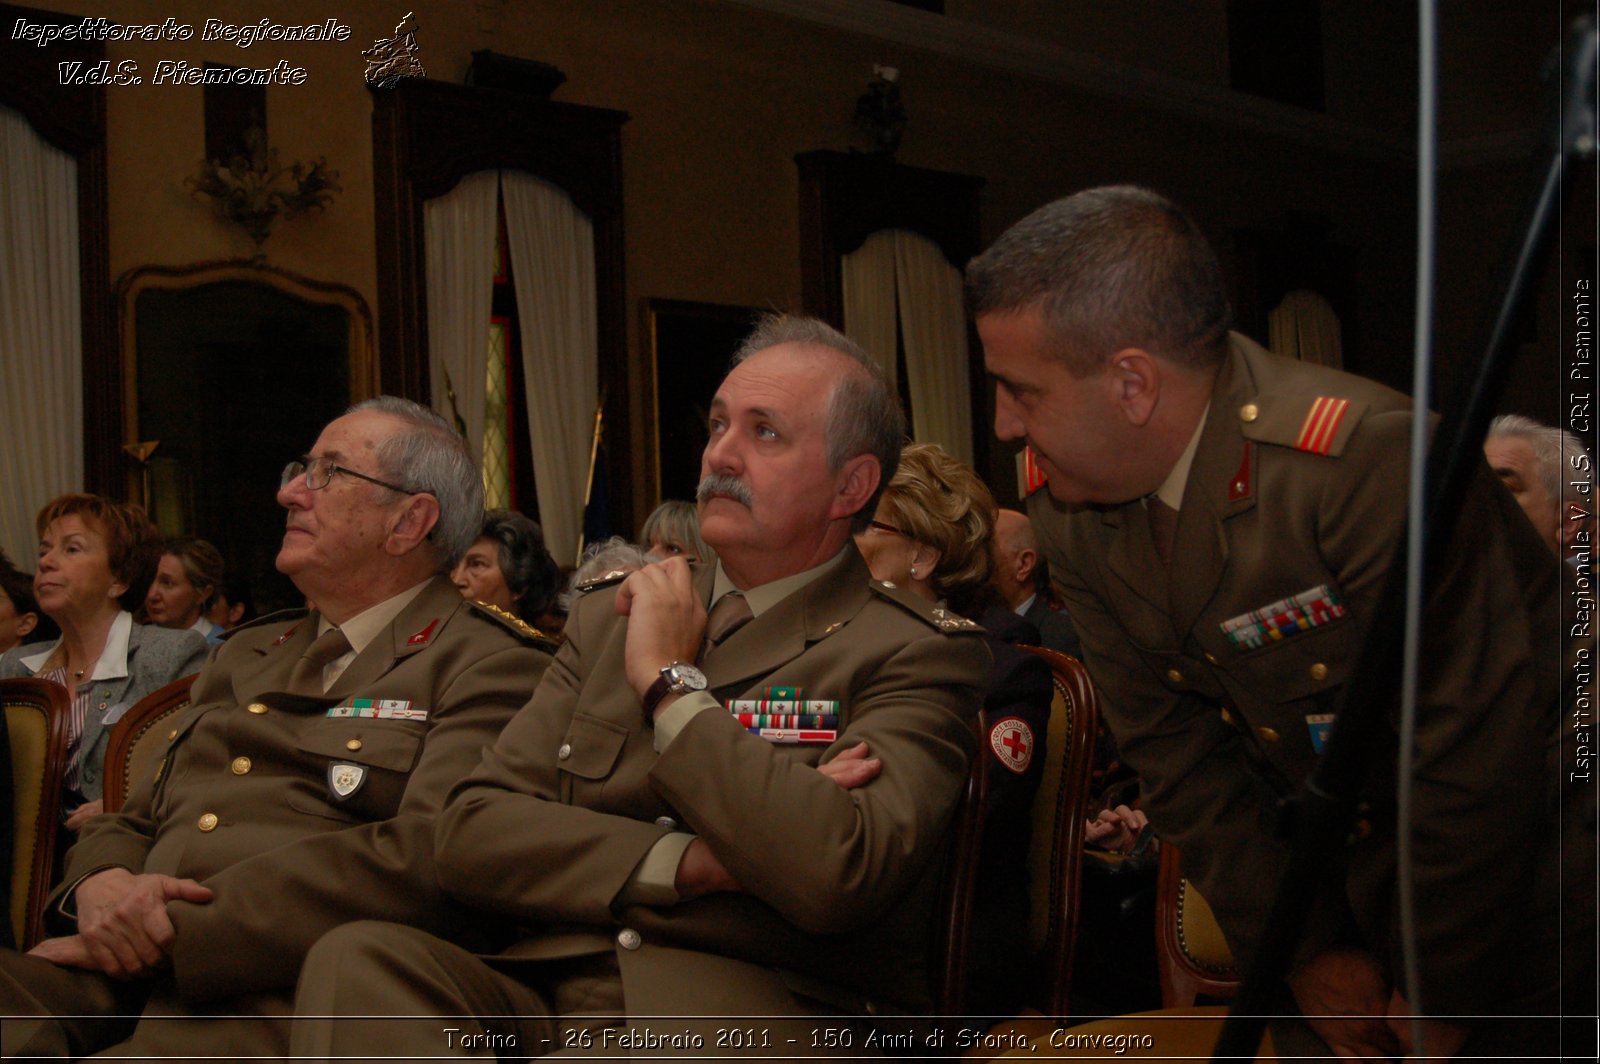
<point x="913" y="572"/>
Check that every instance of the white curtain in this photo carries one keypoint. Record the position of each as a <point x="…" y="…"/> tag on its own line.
<point x="866" y="276"/>
<point x="1304" y="326"/>
<point x="552" y="265"/>
<point x="41" y="341"/>
<point x="934" y="325"/>
<point x="459" y="233"/>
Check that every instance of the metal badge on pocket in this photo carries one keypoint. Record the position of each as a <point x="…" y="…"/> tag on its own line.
<point x="345" y="779"/>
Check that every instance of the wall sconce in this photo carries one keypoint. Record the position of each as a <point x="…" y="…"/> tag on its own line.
<point x="251" y="190"/>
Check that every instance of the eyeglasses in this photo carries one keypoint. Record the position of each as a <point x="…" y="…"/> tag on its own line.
<point x="319" y="472"/>
<point x="880" y="526"/>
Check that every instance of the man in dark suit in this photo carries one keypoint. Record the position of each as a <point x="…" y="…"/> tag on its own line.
<point x="1018" y="568"/>
<point x="298" y="790"/>
<point x="1220" y="522"/>
<point x="663" y="846"/>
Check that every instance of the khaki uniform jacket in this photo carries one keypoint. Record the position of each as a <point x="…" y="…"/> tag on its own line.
<point x="1218" y="731"/>
<point x="243" y="802"/>
<point x="840" y="885"/>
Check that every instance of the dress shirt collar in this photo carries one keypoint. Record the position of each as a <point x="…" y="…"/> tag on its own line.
<point x="768" y="595"/>
<point x="1171" y="489"/>
<point x="113" y="663"/>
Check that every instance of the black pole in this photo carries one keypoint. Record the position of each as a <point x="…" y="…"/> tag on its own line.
<point x="1320" y="817"/>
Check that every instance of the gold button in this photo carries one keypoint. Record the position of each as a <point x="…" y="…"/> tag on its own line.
<point x="240" y="766"/>
<point x="208" y="822"/>
<point x="1212" y="658"/>
<point x="353" y="744"/>
<point x="1174" y="675"/>
<point x="257" y="707"/>
<point x="1249" y="412"/>
<point x="1267" y="735"/>
<point x="171" y="735"/>
<point x="1227" y="718"/>
<point x="1319" y="671"/>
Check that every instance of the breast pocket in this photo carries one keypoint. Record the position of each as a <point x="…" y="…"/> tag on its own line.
<point x="362" y="767"/>
<point x="590" y="749"/>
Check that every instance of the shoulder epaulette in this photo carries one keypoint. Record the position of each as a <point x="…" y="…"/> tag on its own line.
<point x="935" y="616"/>
<point x="511" y="621"/>
<point x="615" y="576"/>
<point x="1320" y="425"/>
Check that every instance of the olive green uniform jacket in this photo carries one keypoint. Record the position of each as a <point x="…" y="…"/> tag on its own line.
<point x="840" y="886"/>
<point x="244" y="799"/>
<point x="1293" y="491"/>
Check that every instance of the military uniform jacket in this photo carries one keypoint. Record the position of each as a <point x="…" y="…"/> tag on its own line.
<point x="1298" y="490"/>
<point x="840" y="885"/>
<point x="245" y="798"/>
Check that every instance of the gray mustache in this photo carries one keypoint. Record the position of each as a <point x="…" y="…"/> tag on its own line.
<point x="723" y="484"/>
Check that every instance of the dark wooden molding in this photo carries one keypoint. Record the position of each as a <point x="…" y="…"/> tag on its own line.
<point x="845" y="197"/>
<point x="73" y="118"/>
<point x="428" y="135"/>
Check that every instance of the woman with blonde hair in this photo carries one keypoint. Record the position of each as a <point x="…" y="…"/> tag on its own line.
<point x="932" y="535"/>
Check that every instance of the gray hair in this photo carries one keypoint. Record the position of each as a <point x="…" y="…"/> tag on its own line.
<point x="615" y="555"/>
<point x="1111" y="267"/>
<point x="864" y="415"/>
<point x="432" y="457"/>
<point x="1553" y="450"/>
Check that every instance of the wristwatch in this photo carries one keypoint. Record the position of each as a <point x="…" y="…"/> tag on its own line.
<point x="679" y="678"/>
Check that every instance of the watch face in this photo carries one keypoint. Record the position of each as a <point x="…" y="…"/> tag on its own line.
<point x="685" y="677"/>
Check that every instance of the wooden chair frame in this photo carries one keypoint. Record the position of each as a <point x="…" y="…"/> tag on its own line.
<point x="1183" y="977"/>
<point x="130" y="733"/>
<point x="1071" y="679"/>
<point x="961" y="879"/>
<point x="51" y="701"/>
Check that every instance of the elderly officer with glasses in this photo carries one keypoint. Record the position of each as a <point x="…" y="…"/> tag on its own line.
<point x="298" y="790"/>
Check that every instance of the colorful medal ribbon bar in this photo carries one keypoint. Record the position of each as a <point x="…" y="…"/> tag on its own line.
<point x="1291" y="616"/>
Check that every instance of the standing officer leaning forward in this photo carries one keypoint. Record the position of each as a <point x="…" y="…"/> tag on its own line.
<point x="1220" y="522"/>
<point x="670" y="866"/>
<point x="298" y="790"/>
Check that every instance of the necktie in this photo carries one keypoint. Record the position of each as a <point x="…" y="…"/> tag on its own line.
<point x="731" y="613"/>
<point x="1163" y="527"/>
<point x="307" y="674"/>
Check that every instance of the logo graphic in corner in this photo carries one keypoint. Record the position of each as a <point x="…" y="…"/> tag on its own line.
<point x="1012" y="742"/>
<point x="345" y="779"/>
<point x="395" y="57"/>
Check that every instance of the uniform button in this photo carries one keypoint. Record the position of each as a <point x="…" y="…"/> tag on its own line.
<point x="1174" y="675"/>
<point x="666" y="822"/>
<point x="352" y="744"/>
<point x="208" y="822"/>
<point x="1319" y="671"/>
<point x="1212" y="658"/>
<point x="1267" y="735"/>
<point x="565" y="751"/>
<point x="257" y="707"/>
<point x="628" y="938"/>
<point x="240" y="766"/>
<point x="171" y="735"/>
<point x="1249" y="412"/>
<point x="1227" y="718"/>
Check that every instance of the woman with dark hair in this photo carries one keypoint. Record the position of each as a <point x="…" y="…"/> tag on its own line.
<point x="96" y="558"/>
<point x="508" y="567"/>
<point x="186" y="582"/>
<point x="20" y="619"/>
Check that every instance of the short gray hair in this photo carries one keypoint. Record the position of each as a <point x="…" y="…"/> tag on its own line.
<point x="1111" y="267"/>
<point x="432" y="457"/>
<point x="864" y="415"/>
<point x="1553" y="450"/>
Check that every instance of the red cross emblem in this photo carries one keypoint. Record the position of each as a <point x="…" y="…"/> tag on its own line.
<point x="1012" y="742"/>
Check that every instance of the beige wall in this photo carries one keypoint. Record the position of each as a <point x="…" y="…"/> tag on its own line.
<point x="724" y="94"/>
